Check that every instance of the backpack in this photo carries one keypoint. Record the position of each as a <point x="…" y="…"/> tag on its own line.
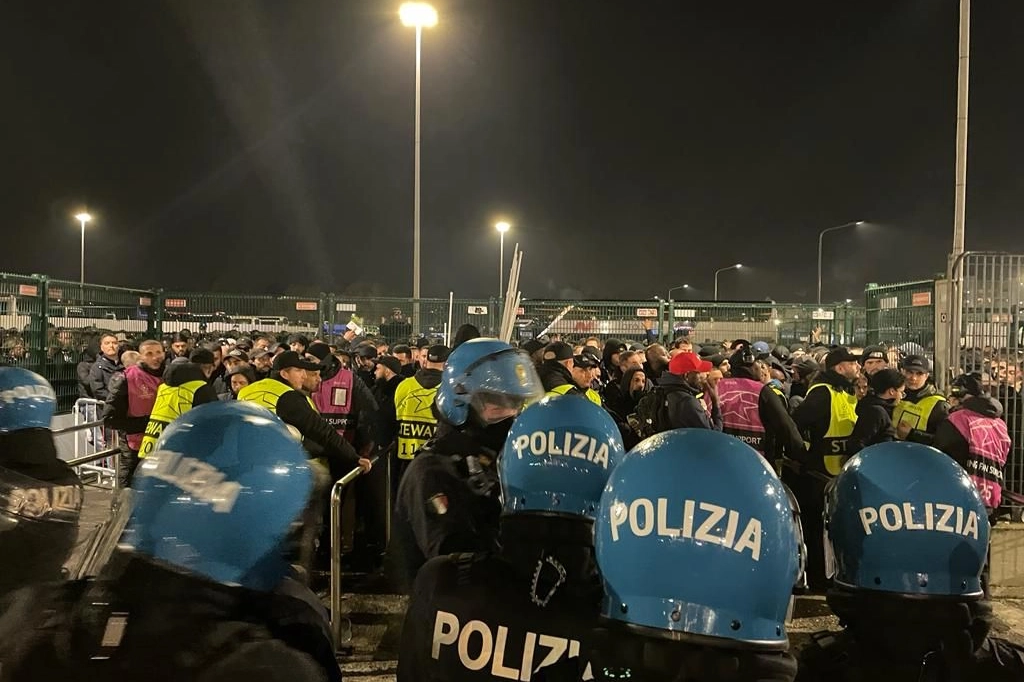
<point x="650" y="416"/>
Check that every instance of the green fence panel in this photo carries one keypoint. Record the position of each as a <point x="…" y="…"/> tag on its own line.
<point x="216" y="314"/>
<point x="23" y="321"/>
<point x="901" y="313"/>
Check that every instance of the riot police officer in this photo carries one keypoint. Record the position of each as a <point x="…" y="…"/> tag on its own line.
<point x="448" y="498"/>
<point x="909" y="534"/>
<point x="699" y="551"/>
<point x="538" y="596"/>
<point x="195" y="589"/>
<point x="40" y="496"/>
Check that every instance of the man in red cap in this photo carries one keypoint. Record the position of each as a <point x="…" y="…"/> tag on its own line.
<point x="684" y="387"/>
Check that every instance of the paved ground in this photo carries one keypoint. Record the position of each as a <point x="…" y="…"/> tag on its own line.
<point x="377" y="618"/>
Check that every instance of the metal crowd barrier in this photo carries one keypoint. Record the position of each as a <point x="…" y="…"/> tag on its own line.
<point x="87" y="420"/>
<point x="341" y="627"/>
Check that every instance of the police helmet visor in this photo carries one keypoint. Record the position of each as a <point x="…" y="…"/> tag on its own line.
<point x="38" y="528"/>
<point x="501" y="385"/>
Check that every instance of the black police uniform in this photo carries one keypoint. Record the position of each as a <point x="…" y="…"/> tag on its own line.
<point x="160" y="625"/>
<point x="838" y="658"/>
<point x="446" y="501"/>
<point x="39" y="536"/>
<point x="523" y="614"/>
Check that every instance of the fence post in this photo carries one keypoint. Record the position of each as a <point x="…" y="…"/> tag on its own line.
<point x="158" y="312"/>
<point x="42" y="323"/>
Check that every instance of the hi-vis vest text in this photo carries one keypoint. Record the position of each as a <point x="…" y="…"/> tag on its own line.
<point x="416" y="422"/>
<point x="267" y="392"/>
<point x="840" y="427"/>
<point x="916" y="414"/>
<point x="590" y="394"/>
<point x="171" y="403"/>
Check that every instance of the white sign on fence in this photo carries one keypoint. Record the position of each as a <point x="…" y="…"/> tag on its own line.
<point x="823" y="315"/>
<point x="477" y="310"/>
<point x="888" y="303"/>
<point x="646" y="312"/>
<point x="684" y="313"/>
<point x="345" y="307"/>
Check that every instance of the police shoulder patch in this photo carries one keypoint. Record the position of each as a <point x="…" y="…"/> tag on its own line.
<point x="438" y="503"/>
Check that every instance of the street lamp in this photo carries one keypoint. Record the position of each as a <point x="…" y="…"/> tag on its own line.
<point x="821" y="237"/>
<point x="418" y="15"/>
<point x="83" y="218"/>
<point x="502" y="227"/>
<point x="717" y="272"/>
<point x="681" y="286"/>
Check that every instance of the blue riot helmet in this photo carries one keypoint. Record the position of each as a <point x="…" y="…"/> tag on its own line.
<point x="905" y="518"/>
<point x="696" y="541"/>
<point x="221" y="496"/>
<point x="40" y="496"/>
<point x="558" y="456"/>
<point x="494" y="379"/>
<point x="27" y="400"/>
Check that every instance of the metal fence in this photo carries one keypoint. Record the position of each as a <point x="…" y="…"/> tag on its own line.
<point x="901" y="313"/>
<point x="987" y="329"/>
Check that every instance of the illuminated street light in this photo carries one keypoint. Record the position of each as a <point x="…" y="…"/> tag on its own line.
<point x="418" y="15"/>
<point x="502" y="227"/>
<point x="717" y="272"/>
<point x="681" y="286"/>
<point x="820" y="237"/>
<point x="83" y="218"/>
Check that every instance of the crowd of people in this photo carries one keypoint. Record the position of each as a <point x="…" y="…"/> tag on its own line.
<point x="538" y="494"/>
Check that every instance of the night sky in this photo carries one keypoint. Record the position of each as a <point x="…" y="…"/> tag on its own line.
<point x="267" y="146"/>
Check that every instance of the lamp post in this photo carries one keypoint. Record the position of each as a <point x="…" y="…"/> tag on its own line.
<point x="821" y="236"/>
<point x="681" y="286"/>
<point x="502" y="227"/>
<point x="417" y="15"/>
<point x="737" y="266"/>
<point x="83" y="218"/>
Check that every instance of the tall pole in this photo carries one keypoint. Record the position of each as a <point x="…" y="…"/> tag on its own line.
<point x="501" y="266"/>
<point x="82" y="268"/>
<point x="821" y="238"/>
<point x="963" y="78"/>
<point x="716" y="284"/>
<point x="416" y="197"/>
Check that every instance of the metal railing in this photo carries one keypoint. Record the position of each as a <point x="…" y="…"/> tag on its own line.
<point x="341" y="627"/>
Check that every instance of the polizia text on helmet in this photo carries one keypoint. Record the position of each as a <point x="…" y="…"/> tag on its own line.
<point x="697" y="521"/>
<point x="937" y="517"/>
<point x="579" y="445"/>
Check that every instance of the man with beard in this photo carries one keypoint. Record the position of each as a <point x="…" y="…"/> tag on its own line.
<point x="448" y="501"/>
<point x="132" y="396"/>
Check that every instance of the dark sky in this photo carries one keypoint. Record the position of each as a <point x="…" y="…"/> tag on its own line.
<point x="267" y="145"/>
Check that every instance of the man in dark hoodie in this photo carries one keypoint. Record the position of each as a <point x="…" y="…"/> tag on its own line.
<point x="825" y="418"/>
<point x="40" y="496"/>
<point x="681" y="393"/>
<point x="874" y="411"/>
<point x="610" y="361"/>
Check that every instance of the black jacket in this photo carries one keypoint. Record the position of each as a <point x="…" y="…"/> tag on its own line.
<point x="387" y="422"/>
<point x="99" y="376"/>
<point x="320" y="439"/>
<point x="499" y="591"/>
<point x="938" y="415"/>
<point x="874" y="424"/>
<point x="685" y="408"/>
<point x="178" y="627"/>
<point x="444" y="504"/>
<point x="948" y="438"/>
<point x="554" y="374"/>
<point x="364" y="405"/>
<point x="84" y="369"/>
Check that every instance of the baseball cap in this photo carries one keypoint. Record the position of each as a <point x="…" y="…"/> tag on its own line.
<point x="874" y="353"/>
<point x="391" y="362"/>
<point x="290" y="358"/>
<point x="839" y="355"/>
<point x="438" y="353"/>
<point x="558" y="350"/>
<point x="259" y="353"/>
<point x="586" y="359"/>
<point x="761" y="348"/>
<point x="201" y="356"/>
<point x="916" y="363"/>
<point x="684" y="363"/>
<point x="532" y="346"/>
<point x="367" y="351"/>
<point x="239" y="354"/>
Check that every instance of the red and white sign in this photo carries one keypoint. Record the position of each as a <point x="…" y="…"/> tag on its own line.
<point x="646" y="312"/>
<point x="55" y="293"/>
<point x="145" y="300"/>
<point x="520" y="310"/>
<point x="28" y="290"/>
<point x="175" y="303"/>
<point x="921" y="298"/>
<point x="307" y="305"/>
